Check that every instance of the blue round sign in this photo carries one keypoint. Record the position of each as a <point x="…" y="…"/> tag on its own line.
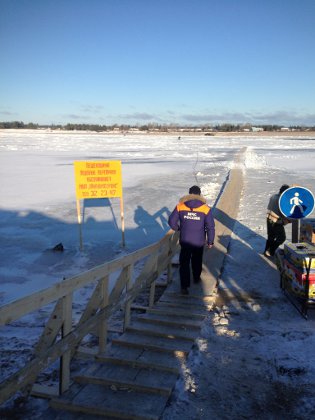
<point x="296" y="202"/>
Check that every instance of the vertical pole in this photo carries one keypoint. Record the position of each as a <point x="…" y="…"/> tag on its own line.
<point x="64" y="380"/>
<point x="152" y="287"/>
<point x="128" y="304"/>
<point x="103" y="323"/>
<point x="152" y="294"/>
<point x="122" y="220"/>
<point x="79" y="222"/>
<point x="169" y="272"/>
<point x="295" y="230"/>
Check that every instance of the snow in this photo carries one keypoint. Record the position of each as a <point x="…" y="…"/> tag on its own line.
<point x="253" y="358"/>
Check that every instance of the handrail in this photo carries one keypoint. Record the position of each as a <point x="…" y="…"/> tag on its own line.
<point x="102" y="304"/>
<point x="14" y="310"/>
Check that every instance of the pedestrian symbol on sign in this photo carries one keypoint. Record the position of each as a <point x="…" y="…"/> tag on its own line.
<point x="296" y="202"/>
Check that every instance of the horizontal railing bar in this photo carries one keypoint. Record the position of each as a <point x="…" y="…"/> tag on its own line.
<point x="14" y="310"/>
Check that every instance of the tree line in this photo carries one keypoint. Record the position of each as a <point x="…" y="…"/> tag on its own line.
<point x="149" y="127"/>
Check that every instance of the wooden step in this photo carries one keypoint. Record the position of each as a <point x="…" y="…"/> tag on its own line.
<point x="120" y="354"/>
<point x="130" y="378"/>
<point x="176" y="314"/>
<point x="161" y="344"/>
<point x="187" y="299"/>
<point x="185" y="307"/>
<point x="103" y="401"/>
<point x="169" y="320"/>
<point x="159" y="330"/>
<point x="194" y="294"/>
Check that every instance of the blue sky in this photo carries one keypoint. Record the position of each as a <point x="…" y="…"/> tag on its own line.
<point x="164" y="61"/>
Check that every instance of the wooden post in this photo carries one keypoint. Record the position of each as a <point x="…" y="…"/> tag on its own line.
<point x="169" y="272"/>
<point x="129" y="302"/>
<point x="64" y="380"/>
<point x="122" y="218"/>
<point x="152" y="287"/>
<point x="152" y="294"/>
<point x="79" y="222"/>
<point x="103" y="327"/>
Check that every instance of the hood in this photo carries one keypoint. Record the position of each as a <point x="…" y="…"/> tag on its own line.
<point x="193" y="200"/>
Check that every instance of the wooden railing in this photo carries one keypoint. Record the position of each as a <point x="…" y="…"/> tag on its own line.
<point x="60" y="338"/>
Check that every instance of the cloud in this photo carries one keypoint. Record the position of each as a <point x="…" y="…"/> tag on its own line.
<point x="140" y="116"/>
<point x="78" y="117"/>
<point x="7" y="113"/>
<point x="277" y="117"/>
<point x="94" y="109"/>
<point x="228" y="117"/>
<point x="285" y="117"/>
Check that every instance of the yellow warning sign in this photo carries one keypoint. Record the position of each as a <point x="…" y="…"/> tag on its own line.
<point x="98" y="179"/>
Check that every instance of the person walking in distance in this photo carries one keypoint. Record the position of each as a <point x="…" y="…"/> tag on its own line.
<point x="275" y="224"/>
<point x="194" y="220"/>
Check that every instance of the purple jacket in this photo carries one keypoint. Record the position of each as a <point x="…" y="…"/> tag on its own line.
<point x="193" y="218"/>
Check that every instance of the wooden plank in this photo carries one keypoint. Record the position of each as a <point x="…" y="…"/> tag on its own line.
<point x="93" y="304"/>
<point x="154" y="343"/>
<point x="204" y="309"/>
<point x="103" y="324"/>
<point x="128" y="303"/>
<point x="44" y="391"/>
<point x="121" y="354"/>
<point x="130" y="377"/>
<point x="103" y="401"/>
<point x="169" y="320"/>
<point x="51" y="329"/>
<point x="139" y="307"/>
<point x="120" y="284"/>
<point x="138" y="363"/>
<point x="122" y="385"/>
<point x="197" y="299"/>
<point x="159" y="330"/>
<point x="178" y="313"/>
<point x="64" y="375"/>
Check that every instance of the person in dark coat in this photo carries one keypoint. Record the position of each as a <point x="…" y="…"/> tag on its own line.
<point x="193" y="218"/>
<point x="275" y="224"/>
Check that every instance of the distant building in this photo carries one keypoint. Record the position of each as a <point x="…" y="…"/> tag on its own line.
<point x="257" y="129"/>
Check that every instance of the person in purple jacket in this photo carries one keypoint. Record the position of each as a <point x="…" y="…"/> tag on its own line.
<point x="193" y="218"/>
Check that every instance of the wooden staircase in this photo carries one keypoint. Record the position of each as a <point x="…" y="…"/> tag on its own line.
<point x="136" y="376"/>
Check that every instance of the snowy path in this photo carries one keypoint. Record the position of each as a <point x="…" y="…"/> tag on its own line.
<point x="255" y="357"/>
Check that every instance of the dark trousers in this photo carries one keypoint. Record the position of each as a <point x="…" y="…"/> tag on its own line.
<point x="276" y="236"/>
<point x="189" y="254"/>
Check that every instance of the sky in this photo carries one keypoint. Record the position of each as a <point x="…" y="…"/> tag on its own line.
<point x="166" y="62"/>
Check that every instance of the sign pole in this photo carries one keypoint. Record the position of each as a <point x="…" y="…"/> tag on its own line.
<point x="122" y="220"/>
<point x="79" y="222"/>
<point x="295" y="230"/>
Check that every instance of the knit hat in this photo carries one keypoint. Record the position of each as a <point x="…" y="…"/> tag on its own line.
<point x="194" y="190"/>
<point x="283" y="188"/>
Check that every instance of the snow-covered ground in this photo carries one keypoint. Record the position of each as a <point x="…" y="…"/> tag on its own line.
<point x="260" y="360"/>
